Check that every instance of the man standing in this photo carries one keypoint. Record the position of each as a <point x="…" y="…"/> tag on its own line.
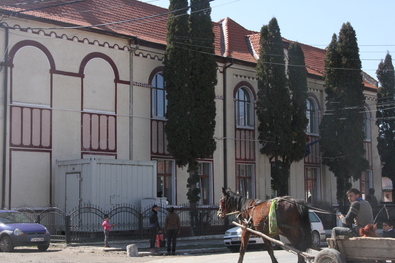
<point x="172" y="229"/>
<point x="360" y="213"/>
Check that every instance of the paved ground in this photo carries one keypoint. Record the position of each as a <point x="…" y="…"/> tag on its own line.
<point x="95" y="252"/>
<point x="189" y="249"/>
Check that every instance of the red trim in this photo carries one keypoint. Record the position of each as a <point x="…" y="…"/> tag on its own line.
<point x="93" y="55"/>
<point x="38" y="45"/>
<point x="247" y="85"/>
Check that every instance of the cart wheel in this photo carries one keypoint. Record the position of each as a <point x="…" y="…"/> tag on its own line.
<point x="329" y="255"/>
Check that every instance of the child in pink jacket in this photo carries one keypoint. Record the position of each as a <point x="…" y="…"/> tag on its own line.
<point x="107" y="227"/>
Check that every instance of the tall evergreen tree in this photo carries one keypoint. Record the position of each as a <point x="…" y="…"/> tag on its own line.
<point x="385" y="118"/>
<point x="203" y="78"/>
<point x="190" y="78"/>
<point x="274" y="105"/>
<point x="341" y="128"/>
<point x="176" y="75"/>
<point x="297" y="76"/>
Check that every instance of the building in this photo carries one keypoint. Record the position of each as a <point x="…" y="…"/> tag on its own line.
<point x="83" y="79"/>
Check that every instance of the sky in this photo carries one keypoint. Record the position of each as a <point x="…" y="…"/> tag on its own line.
<point x="314" y="22"/>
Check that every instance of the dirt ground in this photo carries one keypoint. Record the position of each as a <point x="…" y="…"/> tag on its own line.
<point x="72" y="255"/>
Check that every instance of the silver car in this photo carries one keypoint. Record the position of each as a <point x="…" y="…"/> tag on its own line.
<point x="232" y="237"/>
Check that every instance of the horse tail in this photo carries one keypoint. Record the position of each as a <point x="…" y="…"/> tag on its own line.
<point x="305" y="225"/>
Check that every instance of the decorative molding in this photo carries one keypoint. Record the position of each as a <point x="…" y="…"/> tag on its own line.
<point x="245" y="77"/>
<point x="63" y="36"/>
<point x="315" y="90"/>
<point x="143" y="85"/>
<point x="148" y="55"/>
<point x="371" y="98"/>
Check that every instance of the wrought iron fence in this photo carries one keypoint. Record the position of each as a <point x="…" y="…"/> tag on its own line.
<point x="83" y="224"/>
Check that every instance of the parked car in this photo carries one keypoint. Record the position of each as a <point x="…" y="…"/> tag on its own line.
<point x="232" y="237"/>
<point x="16" y="229"/>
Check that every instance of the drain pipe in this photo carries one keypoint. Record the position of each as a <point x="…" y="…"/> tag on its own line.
<point x="5" y="112"/>
<point x="134" y="41"/>
<point x="224" y="112"/>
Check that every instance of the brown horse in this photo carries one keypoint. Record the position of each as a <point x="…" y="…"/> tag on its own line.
<point x="292" y="220"/>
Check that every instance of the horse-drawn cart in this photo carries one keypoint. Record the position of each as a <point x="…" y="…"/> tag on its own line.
<point x="343" y="249"/>
<point x="357" y="249"/>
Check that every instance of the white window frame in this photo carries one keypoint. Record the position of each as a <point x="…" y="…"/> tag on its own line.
<point x="207" y="167"/>
<point x="244" y="119"/>
<point x="173" y="189"/>
<point x="312" y="116"/>
<point x="317" y="185"/>
<point x="158" y="104"/>
<point x="241" y="183"/>
<point x="367" y="125"/>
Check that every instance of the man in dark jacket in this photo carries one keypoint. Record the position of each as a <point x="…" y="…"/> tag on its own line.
<point x="172" y="229"/>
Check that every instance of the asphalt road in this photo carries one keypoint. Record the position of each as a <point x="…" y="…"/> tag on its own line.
<point x="100" y="255"/>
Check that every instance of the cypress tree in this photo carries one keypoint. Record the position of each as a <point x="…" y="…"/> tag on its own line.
<point x="176" y="75"/>
<point x="297" y="76"/>
<point x="342" y="126"/>
<point x="190" y="78"/>
<point x="273" y="106"/>
<point x="385" y="118"/>
<point x="203" y="78"/>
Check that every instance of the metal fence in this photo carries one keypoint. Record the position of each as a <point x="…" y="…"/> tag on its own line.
<point x="83" y="224"/>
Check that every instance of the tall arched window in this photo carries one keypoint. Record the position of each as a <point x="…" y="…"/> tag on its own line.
<point x="366" y="125"/>
<point x="244" y="108"/>
<point x="159" y="101"/>
<point x="312" y="116"/>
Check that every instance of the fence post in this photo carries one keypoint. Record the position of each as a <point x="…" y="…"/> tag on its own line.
<point x="201" y="223"/>
<point x="67" y="230"/>
<point x="141" y="225"/>
<point x="38" y="219"/>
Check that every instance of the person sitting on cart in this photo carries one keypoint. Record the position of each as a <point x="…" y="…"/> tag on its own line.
<point x="360" y="214"/>
<point x="388" y="228"/>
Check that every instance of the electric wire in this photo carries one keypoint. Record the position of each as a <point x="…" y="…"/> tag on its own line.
<point x="184" y="43"/>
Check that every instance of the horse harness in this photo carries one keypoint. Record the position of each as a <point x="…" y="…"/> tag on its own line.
<point x="248" y="222"/>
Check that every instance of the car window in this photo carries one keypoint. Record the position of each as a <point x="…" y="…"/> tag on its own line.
<point x="314" y="218"/>
<point x="14" y="217"/>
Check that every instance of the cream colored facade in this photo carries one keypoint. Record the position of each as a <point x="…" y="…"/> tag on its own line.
<point x="75" y="94"/>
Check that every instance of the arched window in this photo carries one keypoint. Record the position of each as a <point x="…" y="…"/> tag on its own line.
<point x="366" y="125"/>
<point x="159" y="101"/>
<point x="312" y="116"/>
<point x="244" y="108"/>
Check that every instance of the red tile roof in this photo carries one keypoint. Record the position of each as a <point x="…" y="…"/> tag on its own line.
<point x="133" y="18"/>
<point x="130" y="18"/>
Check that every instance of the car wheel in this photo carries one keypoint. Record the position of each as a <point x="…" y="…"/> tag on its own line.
<point x="329" y="255"/>
<point x="6" y="244"/>
<point x="43" y="248"/>
<point x="315" y="239"/>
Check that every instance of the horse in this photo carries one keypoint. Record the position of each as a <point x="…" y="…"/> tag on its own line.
<point x="292" y="218"/>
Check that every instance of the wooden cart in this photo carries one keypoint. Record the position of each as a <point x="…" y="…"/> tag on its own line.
<point x="357" y="249"/>
<point x="343" y="249"/>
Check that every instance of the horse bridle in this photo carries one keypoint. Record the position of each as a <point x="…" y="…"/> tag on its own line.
<point x="222" y="208"/>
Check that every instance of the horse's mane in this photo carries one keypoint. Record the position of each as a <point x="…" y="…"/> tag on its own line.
<point x="234" y="200"/>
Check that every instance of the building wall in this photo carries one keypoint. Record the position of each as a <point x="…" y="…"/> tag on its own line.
<point x="72" y="72"/>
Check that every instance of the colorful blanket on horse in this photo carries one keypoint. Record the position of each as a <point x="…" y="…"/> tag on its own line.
<point x="273" y="226"/>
